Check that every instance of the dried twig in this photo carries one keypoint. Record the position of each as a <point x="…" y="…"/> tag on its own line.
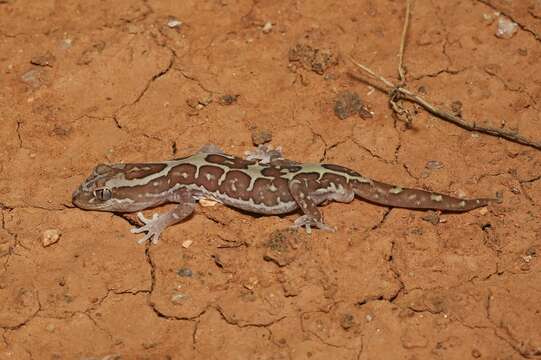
<point x="392" y="90"/>
<point x="401" y="71"/>
<point x="398" y="92"/>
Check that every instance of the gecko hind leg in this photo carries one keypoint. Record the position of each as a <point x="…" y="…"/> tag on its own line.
<point x="308" y="205"/>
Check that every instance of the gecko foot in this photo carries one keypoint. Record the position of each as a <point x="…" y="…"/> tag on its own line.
<point x="308" y="222"/>
<point x="153" y="228"/>
<point x="264" y="154"/>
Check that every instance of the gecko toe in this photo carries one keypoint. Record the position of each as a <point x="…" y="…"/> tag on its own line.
<point x="136" y="230"/>
<point x="144" y="239"/>
<point x="142" y="217"/>
<point x="309" y="222"/>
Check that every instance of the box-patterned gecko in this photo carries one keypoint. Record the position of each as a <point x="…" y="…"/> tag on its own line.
<point x="263" y="182"/>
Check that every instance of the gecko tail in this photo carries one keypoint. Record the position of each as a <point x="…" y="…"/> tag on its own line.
<point x="395" y="196"/>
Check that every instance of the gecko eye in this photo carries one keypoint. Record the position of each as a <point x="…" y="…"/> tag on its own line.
<point x="103" y="194"/>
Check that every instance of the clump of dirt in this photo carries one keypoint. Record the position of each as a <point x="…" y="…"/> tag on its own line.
<point x="311" y="58"/>
<point x="281" y="247"/>
<point x="348" y="103"/>
<point x="261" y="136"/>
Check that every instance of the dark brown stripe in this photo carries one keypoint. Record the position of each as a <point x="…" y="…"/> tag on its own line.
<point x="209" y="176"/>
<point x="231" y="162"/>
<point x="176" y="174"/>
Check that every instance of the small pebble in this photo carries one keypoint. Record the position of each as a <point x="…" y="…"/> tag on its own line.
<point x="50" y="327"/>
<point x="433" y="165"/>
<point x="198" y="104"/>
<point x="50" y="237"/>
<point x="227" y="99"/>
<point x="267" y="28"/>
<point x="489" y="18"/>
<point x="32" y="78"/>
<point x="261" y="136"/>
<point x="66" y="43"/>
<point x="348" y="320"/>
<point x="432" y="217"/>
<point x="178" y="298"/>
<point x="184" y="272"/>
<point x="43" y="60"/>
<point x="456" y="108"/>
<point x="506" y="28"/>
<point x="483" y="211"/>
<point x="133" y="29"/>
<point x="174" y="23"/>
<point x="187" y="243"/>
<point x="207" y="202"/>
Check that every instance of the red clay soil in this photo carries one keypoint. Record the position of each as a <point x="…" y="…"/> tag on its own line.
<point x="94" y="82"/>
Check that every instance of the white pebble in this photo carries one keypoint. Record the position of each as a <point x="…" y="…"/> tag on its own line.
<point x="506" y="28"/>
<point x="187" y="243"/>
<point x="207" y="202"/>
<point x="178" y="298"/>
<point x="267" y="28"/>
<point x="50" y="237"/>
<point x="66" y="43"/>
<point x="173" y="22"/>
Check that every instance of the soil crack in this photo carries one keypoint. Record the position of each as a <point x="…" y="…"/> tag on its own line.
<point x="234" y="322"/>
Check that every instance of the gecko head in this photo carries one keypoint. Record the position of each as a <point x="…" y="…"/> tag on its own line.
<point x="123" y="187"/>
<point x="98" y="192"/>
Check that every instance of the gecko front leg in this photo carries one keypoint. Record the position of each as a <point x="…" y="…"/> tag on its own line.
<point x="312" y="216"/>
<point x="155" y="225"/>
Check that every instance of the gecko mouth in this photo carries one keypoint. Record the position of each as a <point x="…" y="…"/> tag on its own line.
<point x="76" y="193"/>
<point x="82" y="199"/>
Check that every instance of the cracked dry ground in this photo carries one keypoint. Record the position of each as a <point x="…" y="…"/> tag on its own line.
<point x="91" y="82"/>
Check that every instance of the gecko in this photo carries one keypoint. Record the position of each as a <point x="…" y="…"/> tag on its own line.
<point x="262" y="182"/>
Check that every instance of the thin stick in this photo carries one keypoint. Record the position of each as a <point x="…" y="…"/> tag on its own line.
<point x="374" y="75"/>
<point x="401" y="72"/>
<point x="471" y="126"/>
